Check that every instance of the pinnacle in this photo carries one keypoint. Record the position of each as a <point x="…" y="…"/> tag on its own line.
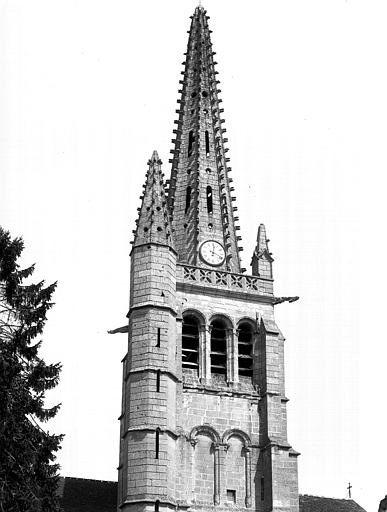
<point x="153" y="224"/>
<point x="262" y="241"/>
<point x="261" y="238"/>
<point x="262" y="258"/>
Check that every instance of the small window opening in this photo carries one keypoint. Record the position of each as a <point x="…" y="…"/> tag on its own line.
<point x="204" y="94"/>
<point x="157" y="506"/>
<point x="231" y="495"/>
<point x="208" y="170"/>
<point x="210" y="225"/>
<point x="193" y="95"/>
<point x="158" y="337"/>
<point x="158" y="378"/>
<point x="159" y="229"/>
<point x="218" y="348"/>
<point x="192" y="112"/>
<point x="188" y="171"/>
<point x="191" y="140"/>
<point x="190" y="343"/>
<point x="207" y="144"/>
<point x="187" y="199"/>
<point x="245" y="350"/>
<point x="209" y="199"/>
<point x="262" y="488"/>
<point x="205" y="111"/>
<point x="157" y="443"/>
<point x="145" y="229"/>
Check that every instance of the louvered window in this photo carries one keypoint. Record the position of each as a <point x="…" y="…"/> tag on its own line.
<point x="190" y="343"/>
<point x="245" y="350"/>
<point x="218" y="348"/>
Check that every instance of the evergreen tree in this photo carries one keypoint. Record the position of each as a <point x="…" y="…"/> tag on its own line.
<point x="28" y="474"/>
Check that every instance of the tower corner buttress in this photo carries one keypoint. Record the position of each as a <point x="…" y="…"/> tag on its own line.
<point x="148" y="419"/>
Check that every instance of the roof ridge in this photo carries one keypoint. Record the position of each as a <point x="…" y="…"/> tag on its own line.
<point x="88" y="479"/>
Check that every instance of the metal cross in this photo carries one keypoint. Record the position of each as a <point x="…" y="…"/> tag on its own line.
<point x="349" y="490"/>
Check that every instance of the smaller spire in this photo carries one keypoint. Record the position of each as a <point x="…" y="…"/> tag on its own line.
<point x="153" y="224"/>
<point x="262" y="241"/>
<point x="262" y="260"/>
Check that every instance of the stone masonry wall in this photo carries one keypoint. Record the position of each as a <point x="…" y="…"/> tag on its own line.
<point x="220" y="418"/>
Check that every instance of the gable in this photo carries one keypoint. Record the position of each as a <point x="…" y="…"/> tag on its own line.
<point x="319" y="504"/>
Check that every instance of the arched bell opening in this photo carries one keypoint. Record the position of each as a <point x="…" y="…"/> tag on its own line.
<point x="190" y="343"/>
<point x="245" y="350"/>
<point x="218" y="347"/>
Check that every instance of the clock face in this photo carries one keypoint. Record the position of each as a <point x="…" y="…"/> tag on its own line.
<point x="212" y="253"/>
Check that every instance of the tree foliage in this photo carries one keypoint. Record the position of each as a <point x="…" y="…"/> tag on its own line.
<point x="28" y="473"/>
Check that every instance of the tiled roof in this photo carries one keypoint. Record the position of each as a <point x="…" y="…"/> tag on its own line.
<point x="320" y="504"/>
<point x="82" y="495"/>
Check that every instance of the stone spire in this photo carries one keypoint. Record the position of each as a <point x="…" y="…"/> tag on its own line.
<point x="153" y="224"/>
<point x="200" y="197"/>
<point x="262" y="260"/>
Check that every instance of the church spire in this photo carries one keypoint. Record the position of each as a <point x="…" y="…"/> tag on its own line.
<point x="153" y="224"/>
<point x="200" y="197"/>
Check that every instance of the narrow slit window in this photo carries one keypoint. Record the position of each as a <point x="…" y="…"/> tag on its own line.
<point x="262" y="489"/>
<point x="157" y="443"/>
<point x="209" y="200"/>
<point x="158" y="337"/>
<point x="190" y="343"/>
<point x="191" y="140"/>
<point x="157" y="506"/>
<point x="187" y="199"/>
<point x="207" y="144"/>
<point x="218" y="348"/>
<point x="158" y="378"/>
<point x="245" y="350"/>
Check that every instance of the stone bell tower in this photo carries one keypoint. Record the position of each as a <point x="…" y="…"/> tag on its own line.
<point x="203" y="423"/>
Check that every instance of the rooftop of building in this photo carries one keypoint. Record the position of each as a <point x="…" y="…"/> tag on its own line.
<point x="85" y="495"/>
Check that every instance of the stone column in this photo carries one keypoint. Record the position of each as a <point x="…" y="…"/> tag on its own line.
<point x="247" y="453"/>
<point x="216" y="449"/>
<point x="203" y="356"/>
<point x="208" y="352"/>
<point x="232" y="365"/>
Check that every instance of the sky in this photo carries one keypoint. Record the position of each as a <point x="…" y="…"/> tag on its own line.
<point x="88" y="90"/>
